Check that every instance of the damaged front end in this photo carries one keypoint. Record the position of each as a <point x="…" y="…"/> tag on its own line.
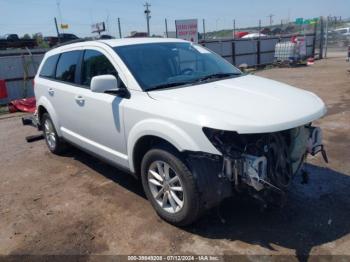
<point x="265" y="164"/>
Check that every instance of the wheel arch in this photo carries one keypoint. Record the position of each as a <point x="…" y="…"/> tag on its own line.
<point x="44" y="106"/>
<point x="151" y="132"/>
<point x="143" y="145"/>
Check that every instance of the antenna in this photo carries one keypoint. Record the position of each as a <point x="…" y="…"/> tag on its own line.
<point x="148" y="17"/>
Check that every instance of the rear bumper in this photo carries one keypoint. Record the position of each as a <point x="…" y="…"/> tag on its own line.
<point x="31" y="120"/>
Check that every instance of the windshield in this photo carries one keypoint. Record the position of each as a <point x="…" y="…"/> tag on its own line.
<point x="163" y="65"/>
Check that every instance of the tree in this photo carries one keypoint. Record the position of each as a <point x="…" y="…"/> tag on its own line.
<point x="26" y="36"/>
<point x="40" y="40"/>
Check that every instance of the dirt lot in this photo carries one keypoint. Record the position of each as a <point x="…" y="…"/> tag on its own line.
<point x="75" y="204"/>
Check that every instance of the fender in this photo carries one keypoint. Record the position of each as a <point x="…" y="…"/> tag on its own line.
<point x="162" y="129"/>
<point x="43" y="101"/>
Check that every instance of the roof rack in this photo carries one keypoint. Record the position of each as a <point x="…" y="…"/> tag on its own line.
<point x="71" y="42"/>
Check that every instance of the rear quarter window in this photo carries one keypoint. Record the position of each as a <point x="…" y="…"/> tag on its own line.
<point x="49" y="67"/>
<point x="66" y="67"/>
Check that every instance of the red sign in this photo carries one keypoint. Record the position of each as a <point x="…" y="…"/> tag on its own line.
<point x="187" y="29"/>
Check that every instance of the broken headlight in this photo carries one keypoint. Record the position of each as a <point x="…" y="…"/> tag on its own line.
<point x="227" y="142"/>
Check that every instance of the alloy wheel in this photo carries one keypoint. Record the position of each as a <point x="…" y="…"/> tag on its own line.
<point x="50" y="134"/>
<point x="165" y="186"/>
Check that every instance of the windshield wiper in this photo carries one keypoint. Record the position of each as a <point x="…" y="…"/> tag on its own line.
<point x="217" y="76"/>
<point x="168" y="85"/>
<point x="202" y="79"/>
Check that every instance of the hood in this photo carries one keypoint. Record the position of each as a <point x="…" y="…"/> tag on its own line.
<point x="247" y="104"/>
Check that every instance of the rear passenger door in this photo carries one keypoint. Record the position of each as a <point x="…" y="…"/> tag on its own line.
<point x="95" y="120"/>
<point x="63" y="90"/>
<point x="58" y="77"/>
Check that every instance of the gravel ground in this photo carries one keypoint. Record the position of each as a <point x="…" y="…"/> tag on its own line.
<point x="76" y="204"/>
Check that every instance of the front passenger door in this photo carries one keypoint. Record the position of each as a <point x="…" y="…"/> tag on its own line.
<point x="98" y="117"/>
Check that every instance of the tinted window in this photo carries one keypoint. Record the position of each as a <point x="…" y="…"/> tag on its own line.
<point x="95" y="64"/>
<point x="66" y="66"/>
<point x="49" y="67"/>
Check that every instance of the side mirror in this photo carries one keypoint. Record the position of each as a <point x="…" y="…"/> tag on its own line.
<point x="108" y="84"/>
<point x="103" y="83"/>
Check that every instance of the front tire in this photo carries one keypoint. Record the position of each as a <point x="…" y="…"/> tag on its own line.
<point x="170" y="186"/>
<point x="55" y="144"/>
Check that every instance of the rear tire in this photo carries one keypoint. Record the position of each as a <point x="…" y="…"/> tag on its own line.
<point x="55" y="144"/>
<point x="170" y="186"/>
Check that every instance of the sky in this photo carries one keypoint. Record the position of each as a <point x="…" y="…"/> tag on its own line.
<point x="32" y="16"/>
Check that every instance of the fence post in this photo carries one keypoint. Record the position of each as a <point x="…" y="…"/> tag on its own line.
<point x="233" y="52"/>
<point x="326" y="39"/>
<point x="321" y="38"/>
<point x="258" y="53"/>
<point x="314" y="41"/>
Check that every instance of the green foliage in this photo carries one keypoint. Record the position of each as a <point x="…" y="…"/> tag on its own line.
<point x="40" y="40"/>
<point x="26" y="36"/>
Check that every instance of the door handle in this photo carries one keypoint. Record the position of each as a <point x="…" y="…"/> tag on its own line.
<point x="51" y="91"/>
<point x="80" y="99"/>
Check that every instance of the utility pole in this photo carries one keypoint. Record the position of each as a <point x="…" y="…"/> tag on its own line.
<point x="216" y="24"/>
<point x="148" y="17"/>
<point x="58" y="3"/>
<point x="259" y="28"/>
<point x="203" y="29"/>
<point x="271" y="18"/>
<point x="58" y="32"/>
<point x="234" y="28"/>
<point x="166" y="28"/>
<point x="120" y="30"/>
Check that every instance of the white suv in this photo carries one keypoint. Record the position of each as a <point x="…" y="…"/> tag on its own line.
<point x="181" y="118"/>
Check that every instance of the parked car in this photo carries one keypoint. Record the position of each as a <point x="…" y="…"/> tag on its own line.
<point x="240" y="34"/>
<point x="186" y="122"/>
<point x="64" y="37"/>
<point x="344" y="31"/>
<point x="253" y="35"/>
<point x="105" y="37"/>
<point x="10" y="37"/>
<point x="13" y="41"/>
<point x="335" y="38"/>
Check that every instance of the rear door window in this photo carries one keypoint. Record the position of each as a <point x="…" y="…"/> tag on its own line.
<point x="94" y="64"/>
<point x="49" y="67"/>
<point x="66" y="67"/>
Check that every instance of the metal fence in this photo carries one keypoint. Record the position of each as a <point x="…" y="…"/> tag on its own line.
<point x="18" y="69"/>
<point x="254" y="52"/>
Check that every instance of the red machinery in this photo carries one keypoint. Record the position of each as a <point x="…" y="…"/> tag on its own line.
<point x="3" y="89"/>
